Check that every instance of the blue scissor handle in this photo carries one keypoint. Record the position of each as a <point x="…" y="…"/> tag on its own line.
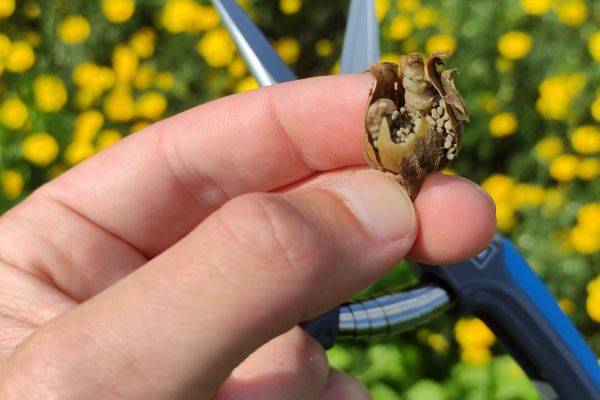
<point x="500" y="288"/>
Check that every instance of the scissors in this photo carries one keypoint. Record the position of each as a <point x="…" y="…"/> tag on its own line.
<point x="497" y="285"/>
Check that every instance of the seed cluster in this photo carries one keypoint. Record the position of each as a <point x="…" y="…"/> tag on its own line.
<point x="439" y="120"/>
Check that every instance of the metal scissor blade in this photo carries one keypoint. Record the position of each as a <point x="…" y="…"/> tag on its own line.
<point x="264" y="62"/>
<point x="361" y="40"/>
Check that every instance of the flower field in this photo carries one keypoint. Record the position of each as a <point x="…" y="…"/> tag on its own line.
<point x="77" y="76"/>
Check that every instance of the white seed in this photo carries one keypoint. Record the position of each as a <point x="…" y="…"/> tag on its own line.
<point x="376" y="144"/>
<point x="430" y="120"/>
<point x="448" y="142"/>
<point x="450" y="156"/>
<point x="445" y="117"/>
<point x="402" y="110"/>
<point x="440" y="110"/>
<point x="434" y="113"/>
<point x="395" y="115"/>
<point x="439" y="130"/>
<point x="439" y="123"/>
<point x="448" y="125"/>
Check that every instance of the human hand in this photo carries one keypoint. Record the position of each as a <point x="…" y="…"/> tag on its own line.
<point x="193" y="248"/>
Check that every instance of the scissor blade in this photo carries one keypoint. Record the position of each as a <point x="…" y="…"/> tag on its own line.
<point x="264" y="62"/>
<point x="361" y="40"/>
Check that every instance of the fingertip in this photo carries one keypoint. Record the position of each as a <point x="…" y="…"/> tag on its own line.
<point x="457" y="220"/>
<point x="341" y="386"/>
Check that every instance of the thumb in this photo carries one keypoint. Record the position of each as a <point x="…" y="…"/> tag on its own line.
<point x="176" y="327"/>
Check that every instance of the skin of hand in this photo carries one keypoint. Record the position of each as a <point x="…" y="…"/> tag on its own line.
<point x="177" y="263"/>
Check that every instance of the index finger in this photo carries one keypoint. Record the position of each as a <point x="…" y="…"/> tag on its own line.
<point x="170" y="176"/>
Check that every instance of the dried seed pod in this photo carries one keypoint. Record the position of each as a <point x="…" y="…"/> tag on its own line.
<point x="414" y="119"/>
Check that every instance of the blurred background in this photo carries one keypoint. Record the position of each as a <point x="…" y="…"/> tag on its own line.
<point x="77" y="76"/>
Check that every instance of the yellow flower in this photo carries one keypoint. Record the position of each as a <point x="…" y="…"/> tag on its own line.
<point x="514" y="44"/>
<point x="39" y="148"/>
<point x="595" y="109"/>
<point x="12" y="183"/>
<point x="288" y="49"/>
<point x="554" y="201"/>
<point x="118" y="11"/>
<point x="144" y="77"/>
<point x="548" y="148"/>
<point x="13" y="113"/>
<point x="92" y="80"/>
<point x="142" y="42"/>
<point x="150" y="105"/>
<point x="85" y="73"/>
<point x="588" y="216"/>
<point x="499" y="186"/>
<point x="437" y="342"/>
<point x="476" y="355"/>
<point x="564" y="167"/>
<point x="504" y="64"/>
<point x="31" y="9"/>
<point x="138" y="126"/>
<point x="390" y="57"/>
<point x="290" y="6"/>
<point x="572" y="12"/>
<point x="505" y="216"/>
<point x="206" y="18"/>
<point x="335" y="68"/>
<point x="440" y="43"/>
<point x="164" y="80"/>
<point x="584" y="240"/>
<point x="556" y="93"/>
<point x="594" y="46"/>
<point x="107" y="138"/>
<point x="526" y="194"/>
<point x="593" y="286"/>
<point x="381" y="8"/>
<point x="119" y="105"/>
<point x="503" y="124"/>
<point x="7" y="7"/>
<point x="246" y="84"/>
<point x="20" y="58"/>
<point x="180" y="15"/>
<point x="472" y="332"/>
<point x="400" y="27"/>
<point x="33" y="37"/>
<point x="537" y="7"/>
<point x="124" y="62"/>
<point x="566" y="305"/>
<point x="425" y="16"/>
<point x="586" y="139"/>
<point x="87" y="124"/>
<point x="74" y="29"/>
<point x="593" y="306"/>
<point x="408" y="6"/>
<point x="216" y="47"/>
<point x="50" y="93"/>
<point x="588" y="169"/>
<point x="78" y="150"/>
<point x="488" y="102"/>
<point x="5" y="46"/>
<point x="324" y="47"/>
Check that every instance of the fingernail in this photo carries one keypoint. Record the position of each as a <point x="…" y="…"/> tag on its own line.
<point x="381" y="205"/>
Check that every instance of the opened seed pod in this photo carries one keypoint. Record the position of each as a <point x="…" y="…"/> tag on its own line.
<point x="414" y="119"/>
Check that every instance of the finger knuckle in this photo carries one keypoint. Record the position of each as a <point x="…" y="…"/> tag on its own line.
<point x="273" y="233"/>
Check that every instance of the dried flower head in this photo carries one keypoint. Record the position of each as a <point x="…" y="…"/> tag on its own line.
<point x="414" y="119"/>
